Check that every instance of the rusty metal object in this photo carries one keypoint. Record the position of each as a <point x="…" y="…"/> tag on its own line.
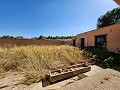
<point x="68" y="72"/>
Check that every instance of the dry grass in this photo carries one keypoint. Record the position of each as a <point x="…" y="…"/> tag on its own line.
<point x="36" y="61"/>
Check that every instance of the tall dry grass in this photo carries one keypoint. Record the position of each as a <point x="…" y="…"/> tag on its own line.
<point x="35" y="61"/>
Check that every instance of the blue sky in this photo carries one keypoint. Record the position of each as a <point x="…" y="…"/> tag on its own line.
<point x="30" y="18"/>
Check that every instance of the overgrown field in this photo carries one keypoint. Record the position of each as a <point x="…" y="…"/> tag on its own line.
<point x="35" y="61"/>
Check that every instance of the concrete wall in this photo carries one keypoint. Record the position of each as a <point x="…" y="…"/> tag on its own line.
<point x="33" y="42"/>
<point x="112" y="33"/>
<point x="70" y="42"/>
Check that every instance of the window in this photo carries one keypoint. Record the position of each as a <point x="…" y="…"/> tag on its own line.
<point x="100" y="41"/>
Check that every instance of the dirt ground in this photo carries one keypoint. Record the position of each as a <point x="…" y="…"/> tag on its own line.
<point x="13" y="81"/>
<point x="98" y="79"/>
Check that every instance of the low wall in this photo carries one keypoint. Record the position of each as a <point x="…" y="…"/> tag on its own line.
<point x="68" y="42"/>
<point x="4" y="41"/>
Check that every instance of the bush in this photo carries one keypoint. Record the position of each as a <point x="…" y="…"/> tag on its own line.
<point x="103" y="56"/>
<point x="109" y="62"/>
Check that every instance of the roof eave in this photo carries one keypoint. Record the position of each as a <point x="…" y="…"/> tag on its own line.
<point x="117" y="1"/>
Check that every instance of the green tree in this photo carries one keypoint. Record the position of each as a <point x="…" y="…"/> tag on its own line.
<point x="7" y="36"/>
<point x="19" y="37"/>
<point x="41" y="37"/>
<point x="111" y="17"/>
<point x="34" y="38"/>
<point x="49" y="37"/>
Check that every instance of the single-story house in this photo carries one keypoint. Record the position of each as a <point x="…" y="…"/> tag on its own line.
<point x="117" y="1"/>
<point x="108" y="37"/>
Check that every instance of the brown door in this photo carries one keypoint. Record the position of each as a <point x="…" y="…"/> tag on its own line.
<point x="74" y="42"/>
<point x="82" y="43"/>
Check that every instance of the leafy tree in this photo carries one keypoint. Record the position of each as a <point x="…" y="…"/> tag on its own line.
<point x="40" y="37"/>
<point x="49" y="37"/>
<point x="54" y="37"/>
<point x="34" y="38"/>
<point x="111" y="17"/>
<point x="7" y="36"/>
<point x="19" y="37"/>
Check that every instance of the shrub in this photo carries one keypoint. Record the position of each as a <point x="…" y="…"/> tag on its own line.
<point x="109" y="62"/>
<point x="103" y="56"/>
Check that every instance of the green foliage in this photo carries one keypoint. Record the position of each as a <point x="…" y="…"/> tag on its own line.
<point x="109" y="62"/>
<point x="103" y="56"/>
<point x="54" y="37"/>
<point x="111" y="17"/>
<point x="19" y="37"/>
<point x="116" y="57"/>
<point x="7" y="36"/>
<point x="41" y="37"/>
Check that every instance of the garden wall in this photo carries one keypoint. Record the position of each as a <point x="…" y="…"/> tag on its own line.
<point x="4" y="41"/>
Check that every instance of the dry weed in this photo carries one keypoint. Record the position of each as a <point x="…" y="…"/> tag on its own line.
<point x="35" y="60"/>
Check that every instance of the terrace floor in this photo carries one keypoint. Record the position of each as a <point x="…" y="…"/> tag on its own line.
<point x="98" y="79"/>
<point x="107" y="79"/>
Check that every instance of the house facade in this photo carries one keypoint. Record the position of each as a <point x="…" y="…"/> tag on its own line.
<point x="108" y="37"/>
<point x="117" y="1"/>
